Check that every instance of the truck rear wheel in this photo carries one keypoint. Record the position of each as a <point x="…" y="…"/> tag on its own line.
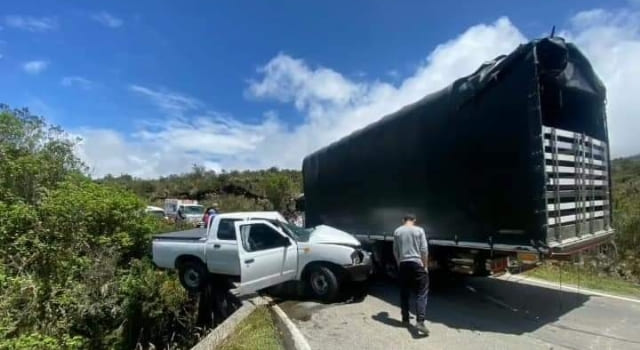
<point x="322" y="283"/>
<point x="193" y="275"/>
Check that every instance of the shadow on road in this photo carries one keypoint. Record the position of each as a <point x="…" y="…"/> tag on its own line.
<point x="383" y="317"/>
<point x="300" y="306"/>
<point x="352" y="292"/>
<point x="487" y="304"/>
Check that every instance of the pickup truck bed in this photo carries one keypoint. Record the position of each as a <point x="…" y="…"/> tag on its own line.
<point x="195" y="234"/>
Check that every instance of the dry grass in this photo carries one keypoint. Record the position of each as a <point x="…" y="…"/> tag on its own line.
<point x="585" y="278"/>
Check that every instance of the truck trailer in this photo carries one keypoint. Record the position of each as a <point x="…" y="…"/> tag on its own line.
<point x="510" y="161"/>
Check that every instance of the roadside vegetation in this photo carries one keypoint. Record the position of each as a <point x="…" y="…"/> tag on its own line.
<point x="75" y="267"/>
<point x="270" y="189"/>
<point x="257" y="331"/>
<point x="585" y="277"/>
<point x="626" y="214"/>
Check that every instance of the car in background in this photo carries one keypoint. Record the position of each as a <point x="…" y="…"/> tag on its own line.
<point x="191" y="210"/>
<point x="156" y="212"/>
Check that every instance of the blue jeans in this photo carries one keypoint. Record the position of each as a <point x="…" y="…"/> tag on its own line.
<point x="413" y="277"/>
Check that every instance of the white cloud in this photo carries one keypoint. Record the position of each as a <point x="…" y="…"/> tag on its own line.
<point x="172" y="147"/>
<point x="77" y="81"/>
<point x="35" y="67"/>
<point x="107" y="19"/>
<point x="32" y="24"/>
<point x="170" y="102"/>
<point x="330" y="105"/>
<point x="290" y="80"/>
<point x="611" y="41"/>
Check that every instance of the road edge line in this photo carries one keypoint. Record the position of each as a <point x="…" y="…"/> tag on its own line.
<point x="570" y="287"/>
<point x="294" y="340"/>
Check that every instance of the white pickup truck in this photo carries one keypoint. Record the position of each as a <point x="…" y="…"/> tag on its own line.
<point x="261" y="249"/>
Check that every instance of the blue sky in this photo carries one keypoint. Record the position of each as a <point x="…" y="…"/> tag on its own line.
<point x="155" y="86"/>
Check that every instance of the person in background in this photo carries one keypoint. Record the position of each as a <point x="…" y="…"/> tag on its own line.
<point x="180" y="217"/>
<point x="289" y="216"/>
<point x="205" y="217"/>
<point x="412" y="252"/>
<point x="297" y="219"/>
<point x="209" y="214"/>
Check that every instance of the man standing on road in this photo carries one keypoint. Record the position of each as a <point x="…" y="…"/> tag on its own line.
<point x="411" y="252"/>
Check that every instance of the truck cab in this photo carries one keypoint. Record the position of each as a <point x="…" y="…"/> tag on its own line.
<point x="191" y="211"/>
<point x="192" y="214"/>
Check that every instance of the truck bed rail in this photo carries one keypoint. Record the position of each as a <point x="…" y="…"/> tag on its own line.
<point x="577" y="187"/>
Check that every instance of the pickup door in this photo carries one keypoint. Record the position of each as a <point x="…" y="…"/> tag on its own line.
<point x="222" y="248"/>
<point x="267" y="255"/>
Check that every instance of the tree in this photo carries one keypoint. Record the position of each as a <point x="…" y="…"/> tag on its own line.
<point x="74" y="254"/>
<point x="278" y="189"/>
<point x="34" y="156"/>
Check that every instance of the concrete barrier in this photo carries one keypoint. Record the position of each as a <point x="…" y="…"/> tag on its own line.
<point x="226" y="328"/>
<point x="292" y="337"/>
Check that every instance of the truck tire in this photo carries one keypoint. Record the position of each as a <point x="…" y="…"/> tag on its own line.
<point x="193" y="275"/>
<point x="322" y="283"/>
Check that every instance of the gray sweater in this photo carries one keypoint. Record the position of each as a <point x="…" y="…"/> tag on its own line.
<point x="410" y="244"/>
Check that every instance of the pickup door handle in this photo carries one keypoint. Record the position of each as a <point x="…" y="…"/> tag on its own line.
<point x="249" y="261"/>
<point x="216" y="246"/>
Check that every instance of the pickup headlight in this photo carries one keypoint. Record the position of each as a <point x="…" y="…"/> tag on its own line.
<point x="357" y="256"/>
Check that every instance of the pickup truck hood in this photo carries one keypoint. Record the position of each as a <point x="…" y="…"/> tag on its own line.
<point x="329" y="235"/>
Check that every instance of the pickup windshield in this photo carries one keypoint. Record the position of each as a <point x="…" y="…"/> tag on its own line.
<point x="298" y="233"/>
<point x="192" y="209"/>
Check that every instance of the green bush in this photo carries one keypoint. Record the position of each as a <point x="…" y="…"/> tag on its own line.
<point x="156" y="300"/>
<point x="626" y="210"/>
<point x="43" y="342"/>
<point x="74" y="254"/>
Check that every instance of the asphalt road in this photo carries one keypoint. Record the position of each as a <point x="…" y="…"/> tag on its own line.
<point x="474" y="313"/>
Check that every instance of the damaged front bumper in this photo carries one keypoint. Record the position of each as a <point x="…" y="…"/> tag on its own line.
<point x="362" y="268"/>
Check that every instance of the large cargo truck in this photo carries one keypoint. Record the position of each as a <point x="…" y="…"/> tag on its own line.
<point x="512" y="159"/>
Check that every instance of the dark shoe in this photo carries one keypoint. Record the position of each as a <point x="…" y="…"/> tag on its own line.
<point x="422" y="328"/>
<point x="406" y="323"/>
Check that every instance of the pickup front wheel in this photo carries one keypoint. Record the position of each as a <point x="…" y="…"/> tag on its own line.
<point x="193" y="275"/>
<point x="322" y="282"/>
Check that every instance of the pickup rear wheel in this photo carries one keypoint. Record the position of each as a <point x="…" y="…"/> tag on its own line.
<point x="193" y="275"/>
<point x="322" y="283"/>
